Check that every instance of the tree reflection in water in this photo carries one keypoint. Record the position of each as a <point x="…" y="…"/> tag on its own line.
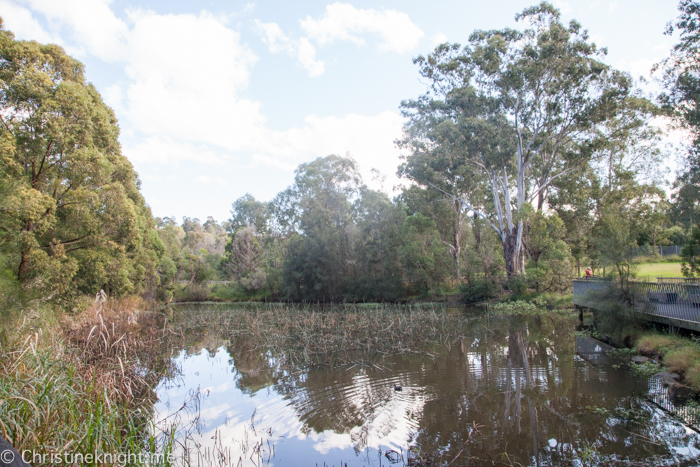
<point x="520" y="381"/>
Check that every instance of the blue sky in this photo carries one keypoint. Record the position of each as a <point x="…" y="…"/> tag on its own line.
<point x="216" y="99"/>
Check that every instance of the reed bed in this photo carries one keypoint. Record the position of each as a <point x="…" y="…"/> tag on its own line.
<point x="83" y="385"/>
<point x="332" y="335"/>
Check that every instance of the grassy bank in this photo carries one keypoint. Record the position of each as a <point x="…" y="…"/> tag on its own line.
<point x="650" y="271"/>
<point x="82" y="383"/>
<point x="680" y="354"/>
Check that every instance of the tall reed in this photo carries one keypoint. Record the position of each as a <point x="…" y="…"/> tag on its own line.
<point x="313" y="335"/>
<point x="83" y="385"/>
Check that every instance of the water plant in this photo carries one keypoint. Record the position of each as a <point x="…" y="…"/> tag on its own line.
<point x="332" y="335"/>
<point x="83" y="385"/>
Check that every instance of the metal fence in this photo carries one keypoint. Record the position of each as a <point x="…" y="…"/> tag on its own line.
<point x="670" y="250"/>
<point x="182" y="282"/>
<point x="673" y="303"/>
<point x="650" y="250"/>
<point x="678" y="280"/>
<point x="689" y="414"/>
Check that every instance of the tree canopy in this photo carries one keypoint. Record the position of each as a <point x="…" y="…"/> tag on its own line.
<point x="73" y="217"/>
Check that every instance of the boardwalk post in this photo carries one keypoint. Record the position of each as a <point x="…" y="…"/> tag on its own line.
<point x="580" y="314"/>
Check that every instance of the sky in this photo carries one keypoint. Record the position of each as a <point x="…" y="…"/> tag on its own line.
<point x="216" y="99"/>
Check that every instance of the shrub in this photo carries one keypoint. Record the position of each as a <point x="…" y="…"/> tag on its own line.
<point x="518" y="285"/>
<point x="692" y="375"/>
<point x="477" y="290"/>
<point x="193" y="293"/>
<point x="682" y="358"/>
<point x="652" y="345"/>
<point x="520" y="308"/>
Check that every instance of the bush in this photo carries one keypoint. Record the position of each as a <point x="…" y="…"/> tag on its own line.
<point x="680" y="360"/>
<point x="614" y="318"/>
<point x="692" y="376"/>
<point x="193" y="293"/>
<point x="520" y="308"/>
<point x="518" y="285"/>
<point x="478" y="289"/>
<point x="653" y="345"/>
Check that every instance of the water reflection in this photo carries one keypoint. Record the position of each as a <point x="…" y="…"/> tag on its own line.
<point x="513" y="392"/>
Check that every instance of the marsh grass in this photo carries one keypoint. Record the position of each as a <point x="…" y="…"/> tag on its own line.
<point x="83" y="384"/>
<point x="679" y="354"/>
<point x="333" y="335"/>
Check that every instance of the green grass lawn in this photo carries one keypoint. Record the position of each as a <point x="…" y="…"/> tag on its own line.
<point x="650" y="271"/>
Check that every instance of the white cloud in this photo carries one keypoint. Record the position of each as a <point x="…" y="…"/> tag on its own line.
<point x="184" y="87"/>
<point x="114" y="97"/>
<point x="342" y="21"/>
<point x="307" y="57"/>
<point x="91" y="23"/>
<point x="180" y="100"/>
<point x="439" y="38"/>
<point x="273" y="37"/>
<point x="207" y="179"/>
<point x="613" y="6"/>
<point x="159" y="151"/>
<point x="20" y="21"/>
<point x="368" y="139"/>
<point x="563" y="6"/>
<point x="277" y="41"/>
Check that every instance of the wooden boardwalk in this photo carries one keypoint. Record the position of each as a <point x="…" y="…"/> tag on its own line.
<point x="671" y="303"/>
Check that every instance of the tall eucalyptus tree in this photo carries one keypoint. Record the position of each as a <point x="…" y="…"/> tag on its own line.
<point x="510" y="105"/>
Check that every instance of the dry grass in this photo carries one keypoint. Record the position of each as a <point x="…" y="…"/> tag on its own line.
<point x="692" y="376"/>
<point x="109" y="343"/>
<point x="82" y="385"/>
<point x="681" y="355"/>
<point x="657" y="345"/>
<point x="680" y="359"/>
<point x="307" y="336"/>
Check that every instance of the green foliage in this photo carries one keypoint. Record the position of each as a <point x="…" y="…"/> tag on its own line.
<point x="422" y="254"/>
<point x="681" y="99"/>
<point x="167" y="271"/>
<point x="520" y="308"/>
<point x="319" y="206"/>
<point x="549" y="267"/>
<point x="614" y="318"/>
<point x="690" y="255"/>
<point x="379" y="273"/>
<point x="246" y="211"/>
<point x="645" y="369"/>
<point x="518" y="286"/>
<point x="462" y="134"/>
<point x="478" y="290"/>
<point x="245" y="260"/>
<point x="73" y="220"/>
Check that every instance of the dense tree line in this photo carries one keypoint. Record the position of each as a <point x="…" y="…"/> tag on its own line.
<point x="72" y="218"/>
<point x="527" y="159"/>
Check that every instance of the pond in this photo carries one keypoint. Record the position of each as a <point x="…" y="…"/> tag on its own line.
<point x="504" y="391"/>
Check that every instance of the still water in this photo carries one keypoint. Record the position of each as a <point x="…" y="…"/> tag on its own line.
<point x="511" y="391"/>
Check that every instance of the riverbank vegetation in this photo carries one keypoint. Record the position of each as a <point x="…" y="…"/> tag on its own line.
<point x="309" y="335"/>
<point x="528" y="159"/>
<point x="83" y="383"/>
<point x="472" y="223"/>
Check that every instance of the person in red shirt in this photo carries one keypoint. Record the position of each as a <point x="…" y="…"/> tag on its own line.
<point x="589" y="272"/>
